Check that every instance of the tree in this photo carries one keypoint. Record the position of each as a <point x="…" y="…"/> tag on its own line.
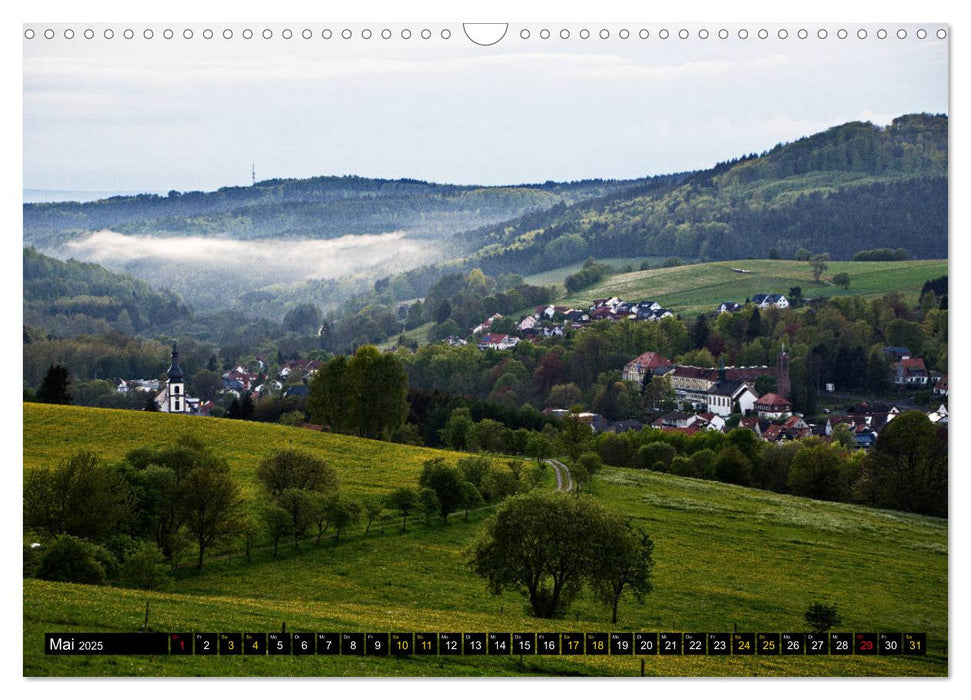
<point x="303" y="318"/>
<point x="908" y="466"/>
<point x="658" y="392"/>
<point x="241" y="410"/>
<point x="55" y="386"/>
<point x="574" y="434"/>
<point x="210" y="502"/>
<point x="563" y="395"/>
<point x="301" y="507"/>
<point x="379" y="387"/>
<point x="822" y="617"/>
<point x="73" y="560"/>
<point x="81" y="496"/>
<point x="278" y="523"/>
<point x="819" y="264"/>
<point x="342" y="513"/>
<point x="469" y="497"/>
<point x="297" y="481"/>
<point x="144" y="567"/>
<point x="765" y="384"/>
<point x="403" y="500"/>
<point x="294" y="469"/>
<point x="445" y="481"/>
<point x="700" y="332"/>
<point x="586" y="466"/>
<point x="733" y="467"/>
<point x="538" y="446"/>
<point x="795" y="297"/>
<point x="843" y="436"/>
<point x="474" y="469"/>
<point x="754" y="324"/>
<point x="207" y="384"/>
<point x="330" y="396"/>
<point x="455" y="434"/>
<point x="817" y="472"/>
<point x="622" y="562"/>
<point x="541" y="544"/>
<point x="841" y="279"/>
<point x="656" y="455"/>
<point x="372" y="508"/>
<point x="429" y="503"/>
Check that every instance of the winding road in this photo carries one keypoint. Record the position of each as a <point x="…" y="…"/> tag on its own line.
<point x="564" y="482"/>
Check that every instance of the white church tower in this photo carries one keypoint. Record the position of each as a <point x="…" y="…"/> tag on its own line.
<point x="175" y="399"/>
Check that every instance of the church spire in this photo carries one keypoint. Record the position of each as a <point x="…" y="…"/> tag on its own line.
<point x="782" y="386"/>
<point x="175" y="372"/>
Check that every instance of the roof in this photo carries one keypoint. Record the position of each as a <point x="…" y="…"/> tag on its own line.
<point x="175" y="372"/>
<point x="772" y="399"/>
<point x="650" y="360"/>
<point x="727" y="387"/>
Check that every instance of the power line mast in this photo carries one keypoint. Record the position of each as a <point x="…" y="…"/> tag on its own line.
<point x="254" y="173"/>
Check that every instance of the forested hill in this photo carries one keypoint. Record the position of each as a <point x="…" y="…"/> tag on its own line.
<point x="318" y="208"/>
<point x="854" y="186"/>
<point x="72" y="298"/>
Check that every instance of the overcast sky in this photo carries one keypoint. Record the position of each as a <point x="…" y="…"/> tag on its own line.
<point x="159" y="114"/>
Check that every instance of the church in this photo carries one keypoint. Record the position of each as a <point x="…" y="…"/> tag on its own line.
<point x="173" y="399"/>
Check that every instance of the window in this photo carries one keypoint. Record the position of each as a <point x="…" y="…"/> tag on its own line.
<point x="175" y="389"/>
<point x="177" y="405"/>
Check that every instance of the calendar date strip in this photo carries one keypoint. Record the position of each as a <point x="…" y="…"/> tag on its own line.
<point x="487" y="643"/>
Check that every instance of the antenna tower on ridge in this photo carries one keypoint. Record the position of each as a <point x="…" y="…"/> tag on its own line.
<point x="254" y="173"/>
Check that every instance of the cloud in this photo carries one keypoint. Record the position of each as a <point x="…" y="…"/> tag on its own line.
<point x="287" y="260"/>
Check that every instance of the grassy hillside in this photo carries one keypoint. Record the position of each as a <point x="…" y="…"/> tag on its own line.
<point x="693" y="289"/>
<point x="725" y="556"/>
<point x="52" y="433"/>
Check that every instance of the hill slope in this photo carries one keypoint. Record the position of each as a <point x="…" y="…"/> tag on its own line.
<point x="215" y="247"/>
<point x="725" y="556"/>
<point x="695" y="289"/>
<point x="855" y="186"/>
<point x="70" y="298"/>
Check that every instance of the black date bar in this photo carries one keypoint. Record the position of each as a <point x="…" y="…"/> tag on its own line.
<point x="103" y="643"/>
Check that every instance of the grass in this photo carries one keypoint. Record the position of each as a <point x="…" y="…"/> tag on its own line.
<point x="690" y="290"/>
<point x="725" y="556"/>
<point x="52" y="433"/>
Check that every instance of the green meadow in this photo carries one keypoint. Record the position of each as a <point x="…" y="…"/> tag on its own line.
<point x="690" y="290"/>
<point x="726" y="558"/>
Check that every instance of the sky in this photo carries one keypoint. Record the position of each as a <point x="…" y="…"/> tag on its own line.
<point x="158" y="114"/>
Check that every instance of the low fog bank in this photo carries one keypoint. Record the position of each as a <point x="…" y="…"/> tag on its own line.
<point x="213" y="273"/>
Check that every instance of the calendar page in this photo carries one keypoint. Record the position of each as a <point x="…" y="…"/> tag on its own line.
<point x="512" y="349"/>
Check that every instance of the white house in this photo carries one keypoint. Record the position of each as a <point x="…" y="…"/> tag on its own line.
<point x="497" y="341"/>
<point x="764" y="301"/>
<point x="773" y="406"/>
<point x="728" y="396"/>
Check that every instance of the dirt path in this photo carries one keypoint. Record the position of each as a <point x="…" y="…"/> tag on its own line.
<point x="564" y="482"/>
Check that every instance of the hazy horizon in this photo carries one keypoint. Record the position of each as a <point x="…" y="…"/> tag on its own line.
<point x="160" y="114"/>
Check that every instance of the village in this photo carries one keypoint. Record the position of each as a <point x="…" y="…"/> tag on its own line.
<point x="694" y="398"/>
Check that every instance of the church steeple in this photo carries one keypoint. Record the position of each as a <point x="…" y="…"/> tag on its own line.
<point x="175" y="386"/>
<point x="175" y="372"/>
<point x="782" y="386"/>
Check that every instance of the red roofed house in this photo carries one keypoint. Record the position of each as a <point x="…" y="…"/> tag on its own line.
<point x="647" y="363"/>
<point x="773" y="406"/>
<point x="910" y="372"/>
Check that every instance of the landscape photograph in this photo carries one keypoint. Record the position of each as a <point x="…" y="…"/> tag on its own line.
<point x="522" y="350"/>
